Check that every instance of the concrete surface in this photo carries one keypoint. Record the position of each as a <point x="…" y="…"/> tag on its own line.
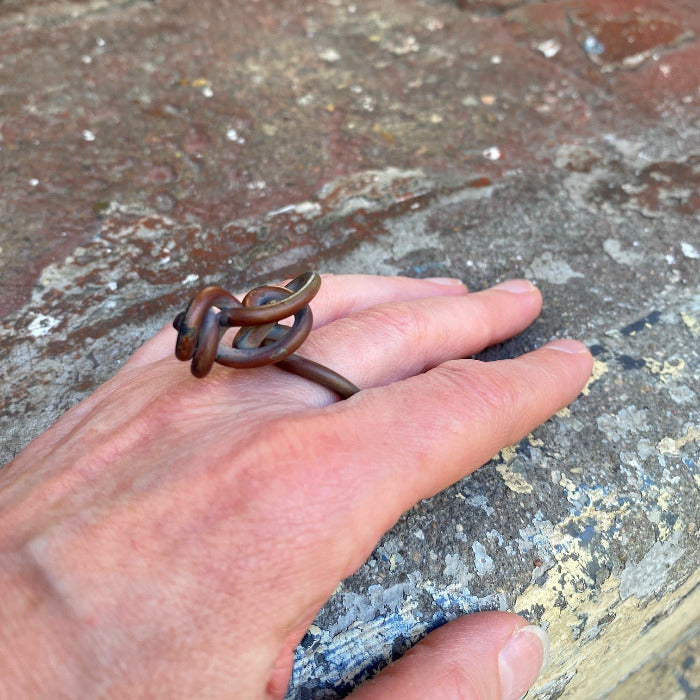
<point x="148" y="148"/>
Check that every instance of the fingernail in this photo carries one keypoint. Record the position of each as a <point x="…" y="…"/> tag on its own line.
<point x="516" y="286"/>
<point x="573" y="347"/>
<point x="444" y="280"/>
<point x="521" y="660"/>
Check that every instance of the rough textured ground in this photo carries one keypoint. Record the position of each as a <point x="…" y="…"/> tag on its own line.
<point x="147" y="148"/>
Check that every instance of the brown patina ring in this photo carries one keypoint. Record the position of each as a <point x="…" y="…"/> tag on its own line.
<point x="261" y="340"/>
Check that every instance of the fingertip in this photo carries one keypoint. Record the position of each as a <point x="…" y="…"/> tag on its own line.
<point x="452" y="282"/>
<point x="483" y="655"/>
<point x="517" y="286"/>
<point x="580" y="361"/>
<point x="521" y="660"/>
<point x="567" y="345"/>
<point x="521" y="292"/>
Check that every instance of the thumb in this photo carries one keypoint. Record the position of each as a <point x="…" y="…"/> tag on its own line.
<point x="484" y="656"/>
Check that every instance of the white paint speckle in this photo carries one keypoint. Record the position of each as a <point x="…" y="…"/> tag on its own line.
<point x="649" y="575"/>
<point x="620" y="255"/>
<point x="689" y="250"/>
<point x="190" y="279"/>
<point x="456" y="569"/>
<point x="33" y="182"/>
<point x="682" y="394"/>
<point x="628" y="421"/>
<point x="233" y="135"/>
<point x="42" y="325"/>
<point x="492" y="153"/>
<point x="482" y="561"/>
<point x="308" y="210"/>
<point x="547" y="268"/>
<point x="329" y="56"/>
<point x="88" y="135"/>
<point x="549" y="48"/>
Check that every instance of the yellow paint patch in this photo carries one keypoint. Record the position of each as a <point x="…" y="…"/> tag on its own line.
<point x="507" y="454"/>
<point x="669" y="446"/>
<point x="195" y="82"/>
<point x="564" y="413"/>
<point x="665" y="370"/>
<point x="599" y="369"/>
<point x="567" y="484"/>
<point x="596" y="638"/>
<point x="666" y="504"/>
<point x="513" y="480"/>
<point x="692" y="323"/>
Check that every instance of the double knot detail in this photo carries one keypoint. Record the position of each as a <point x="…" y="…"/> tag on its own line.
<point x="261" y="340"/>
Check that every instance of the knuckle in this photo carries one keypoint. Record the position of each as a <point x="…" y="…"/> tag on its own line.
<point x="397" y="322"/>
<point x="486" y="387"/>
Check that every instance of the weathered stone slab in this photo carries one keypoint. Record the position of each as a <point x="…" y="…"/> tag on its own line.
<point x="148" y="148"/>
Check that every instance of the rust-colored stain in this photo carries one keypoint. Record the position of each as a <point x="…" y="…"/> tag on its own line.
<point x="624" y="41"/>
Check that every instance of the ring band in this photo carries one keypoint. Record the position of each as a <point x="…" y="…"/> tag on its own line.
<point x="261" y="340"/>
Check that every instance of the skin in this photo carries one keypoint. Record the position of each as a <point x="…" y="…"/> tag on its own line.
<point x="175" y="537"/>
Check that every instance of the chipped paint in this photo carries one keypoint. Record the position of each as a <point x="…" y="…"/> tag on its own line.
<point x="691" y="323"/>
<point x="509" y="470"/>
<point x="514" y="481"/>
<point x="629" y="256"/>
<point x="42" y="325"/>
<point x="649" y="575"/>
<point x="577" y="612"/>
<point x="666" y="369"/>
<point x="507" y="454"/>
<point x="599" y="369"/>
<point x="626" y="422"/>
<point x="549" y="269"/>
<point x="689" y="250"/>
<point x="669" y="446"/>
<point x="483" y="563"/>
<point x="226" y="169"/>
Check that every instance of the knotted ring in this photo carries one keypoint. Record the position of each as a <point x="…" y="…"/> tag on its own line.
<point x="261" y="340"/>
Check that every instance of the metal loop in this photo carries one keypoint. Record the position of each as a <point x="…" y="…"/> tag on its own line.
<point x="261" y="339"/>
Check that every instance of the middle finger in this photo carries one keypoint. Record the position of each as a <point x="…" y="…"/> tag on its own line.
<point x="392" y="341"/>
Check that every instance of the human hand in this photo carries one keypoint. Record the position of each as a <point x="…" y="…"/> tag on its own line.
<point x="172" y="537"/>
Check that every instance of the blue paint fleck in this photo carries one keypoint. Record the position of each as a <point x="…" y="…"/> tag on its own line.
<point x="587" y="534"/>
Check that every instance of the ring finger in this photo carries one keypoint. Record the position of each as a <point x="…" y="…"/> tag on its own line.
<point x="388" y="342"/>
